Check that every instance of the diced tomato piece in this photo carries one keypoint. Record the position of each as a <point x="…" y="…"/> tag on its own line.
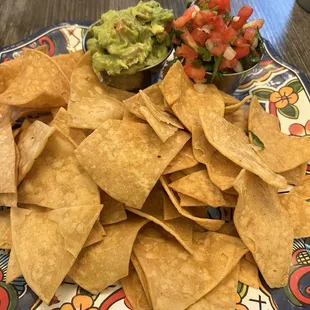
<point x="188" y="15"/>
<point x="242" y="51"/>
<point x="218" y="49"/>
<point x="169" y="27"/>
<point x="219" y="24"/>
<point x="175" y="40"/>
<point x="228" y="64"/>
<point x="216" y="37"/>
<point x="204" y="17"/>
<point x="186" y="52"/>
<point x="249" y="34"/>
<point x="229" y="34"/>
<point x="244" y="13"/>
<point x="240" y="42"/>
<point x="198" y="21"/>
<point x="223" y="6"/>
<point x="200" y="36"/>
<point x="188" y="39"/>
<point x="194" y="72"/>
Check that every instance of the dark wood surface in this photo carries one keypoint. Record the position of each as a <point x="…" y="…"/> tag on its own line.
<point x="287" y="25"/>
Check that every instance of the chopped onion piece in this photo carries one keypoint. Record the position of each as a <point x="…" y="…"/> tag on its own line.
<point x="238" y="67"/>
<point x="236" y="18"/>
<point x="209" y="44"/>
<point x="200" y="88"/>
<point x="255" y="24"/>
<point x="229" y="53"/>
<point x="206" y="28"/>
<point x="254" y="43"/>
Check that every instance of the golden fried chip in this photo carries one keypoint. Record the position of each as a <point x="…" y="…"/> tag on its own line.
<point x="181" y="279"/>
<point x="258" y="214"/>
<point x="232" y="142"/>
<point x="293" y="151"/>
<point x="187" y="201"/>
<point x="113" y="210"/>
<point x="199" y="186"/>
<point x="235" y="107"/>
<point x="180" y="228"/>
<point x="239" y="117"/>
<point x="210" y="224"/>
<point x="295" y="176"/>
<point x="170" y="212"/>
<point x="40" y="83"/>
<point x="128" y="173"/>
<point x="175" y="83"/>
<point x="298" y="209"/>
<point x="13" y="271"/>
<point x="94" y="270"/>
<point x="134" y="291"/>
<point x="67" y="62"/>
<point x="228" y="99"/>
<point x="128" y="116"/>
<point x="164" y="131"/>
<point x="229" y="229"/>
<point x="222" y="171"/>
<point x="222" y="297"/>
<point x="187" y="108"/>
<point x="56" y="179"/>
<point x="248" y="274"/>
<point x="47" y="243"/>
<point x="31" y="145"/>
<point x="184" y="159"/>
<point x="60" y="122"/>
<point x="153" y="92"/>
<point x="91" y="102"/>
<point x="96" y="235"/>
<point x="5" y="228"/>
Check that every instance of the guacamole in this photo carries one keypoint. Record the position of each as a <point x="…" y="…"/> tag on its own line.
<point x="129" y="40"/>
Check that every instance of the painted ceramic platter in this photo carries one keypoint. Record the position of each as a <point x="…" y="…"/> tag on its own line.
<point x="271" y="78"/>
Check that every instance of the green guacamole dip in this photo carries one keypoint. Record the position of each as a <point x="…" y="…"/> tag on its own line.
<point x="131" y="39"/>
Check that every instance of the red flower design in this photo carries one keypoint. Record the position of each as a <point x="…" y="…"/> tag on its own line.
<point x="300" y="130"/>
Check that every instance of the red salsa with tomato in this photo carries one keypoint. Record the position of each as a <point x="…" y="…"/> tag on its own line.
<point x="208" y="39"/>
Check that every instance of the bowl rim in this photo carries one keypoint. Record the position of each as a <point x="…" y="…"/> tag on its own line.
<point x="84" y="47"/>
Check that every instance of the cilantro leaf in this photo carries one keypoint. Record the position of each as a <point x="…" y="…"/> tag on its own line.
<point x="197" y="63"/>
<point x="218" y="60"/>
<point x="256" y="140"/>
<point x="205" y="54"/>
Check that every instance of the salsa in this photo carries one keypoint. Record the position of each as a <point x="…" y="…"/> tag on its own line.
<point x="209" y="39"/>
<point x="129" y="40"/>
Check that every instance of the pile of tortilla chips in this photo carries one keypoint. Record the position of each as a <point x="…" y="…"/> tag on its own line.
<point x="103" y="185"/>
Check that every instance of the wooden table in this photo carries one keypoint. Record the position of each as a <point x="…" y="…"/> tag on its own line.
<point x="287" y="25"/>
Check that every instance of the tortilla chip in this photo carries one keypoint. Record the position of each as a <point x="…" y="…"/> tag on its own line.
<point x="39" y="84"/>
<point x="158" y="111"/>
<point x="60" y="122"/>
<point x="228" y="99"/>
<point x="128" y="173"/>
<point x="46" y="119"/>
<point x="258" y="203"/>
<point x="91" y="102"/>
<point x="56" y="179"/>
<point x="31" y="145"/>
<point x="134" y="103"/>
<point x="174" y="83"/>
<point x="180" y="228"/>
<point x="202" y="149"/>
<point x="210" y="224"/>
<point x="248" y="274"/>
<point x="184" y="159"/>
<point x="96" y="235"/>
<point x="235" y="107"/>
<point x="298" y="209"/>
<point x="295" y="176"/>
<point x="170" y="212"/>
<point x="187" y="201"/>
<point x="293" y="151"/>
<point x="229" y="229"/>
<point x="45" y="258"/>
<point x="7" y="161"/>
<point x="164" y="131"/>
<point x="187" y="108"/>
<point x="128" y="116"/>
<point x="232" y="142"/>
<point x="222" y="171"/>
<point x="304" y="189"/>
<point x="222" y="297"/>
<point x="134" y="291"/>
<point x="240" y="117"/>
<point x="13" y="271"/>
<point x="171" y="286"/>
<point x="67" y="62"/>
<point x="94" y="270"/>
<point x="113" y="210"/>
<point x="199" y="186"/>
<point x="5" y="227"/>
